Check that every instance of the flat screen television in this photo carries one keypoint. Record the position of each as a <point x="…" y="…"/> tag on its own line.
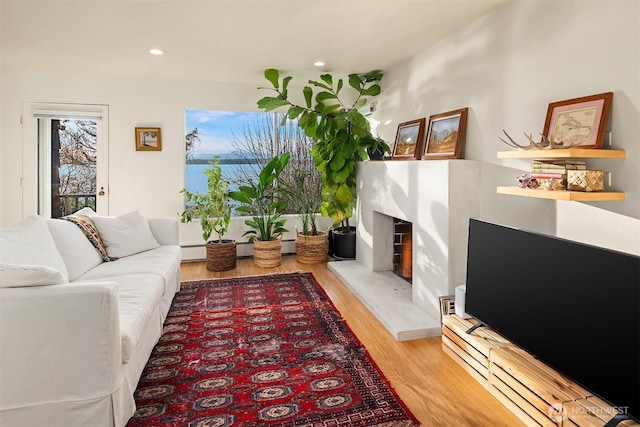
<point x="573" y="306"/>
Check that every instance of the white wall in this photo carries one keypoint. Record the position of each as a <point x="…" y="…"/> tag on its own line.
<point x="147" y="181"/>
<point x="506" y="68"/>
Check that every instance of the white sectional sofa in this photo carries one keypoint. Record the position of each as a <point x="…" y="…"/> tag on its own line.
<point x="76" y="331"/>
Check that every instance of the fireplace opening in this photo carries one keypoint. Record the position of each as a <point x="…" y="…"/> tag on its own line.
<point x="402" y="249"/>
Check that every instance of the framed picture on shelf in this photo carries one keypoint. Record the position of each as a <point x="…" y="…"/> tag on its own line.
<point x="409" y="140"/>
<point x="579" y="122"/>
<point x="148" y="139"/>
<point x="445" y="135"/>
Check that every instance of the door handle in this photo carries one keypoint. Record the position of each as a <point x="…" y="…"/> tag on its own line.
<point x="101" y="192"/>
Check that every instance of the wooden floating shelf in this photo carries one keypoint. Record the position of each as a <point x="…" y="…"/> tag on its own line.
<point x="565" y="153"/>
<point x="573" y="196"/>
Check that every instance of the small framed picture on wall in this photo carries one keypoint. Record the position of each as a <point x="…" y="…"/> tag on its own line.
<point x="148" y="139"/>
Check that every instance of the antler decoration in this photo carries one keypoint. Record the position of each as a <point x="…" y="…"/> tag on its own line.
<point x="511" y="143"/>
<point x="544" y="144"/>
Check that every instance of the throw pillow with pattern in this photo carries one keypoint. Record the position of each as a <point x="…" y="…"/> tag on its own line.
<point x="89" y="229"/>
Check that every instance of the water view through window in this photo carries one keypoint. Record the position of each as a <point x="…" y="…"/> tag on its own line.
<point x="244" y="142"/>
<point x="217" y="133"/>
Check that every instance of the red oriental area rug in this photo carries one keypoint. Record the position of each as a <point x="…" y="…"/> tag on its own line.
<point x="262" y="351"/>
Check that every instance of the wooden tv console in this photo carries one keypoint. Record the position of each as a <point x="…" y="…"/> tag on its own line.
<point x="534" y="392"/>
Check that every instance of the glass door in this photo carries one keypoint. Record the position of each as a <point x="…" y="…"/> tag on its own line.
<point x="72" y="169"/>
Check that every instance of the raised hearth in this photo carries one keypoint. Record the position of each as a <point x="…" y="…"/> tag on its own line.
<point x="388" y="297"/>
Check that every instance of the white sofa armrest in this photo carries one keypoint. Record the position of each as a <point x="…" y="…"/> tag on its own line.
<point x="59" y="343"/>
<point x="165" y="230"/>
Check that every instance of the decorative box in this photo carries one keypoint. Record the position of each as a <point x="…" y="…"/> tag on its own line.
<point x="584" y="180"/>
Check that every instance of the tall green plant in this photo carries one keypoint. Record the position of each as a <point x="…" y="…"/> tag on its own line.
<point x="303" y="193"/>
<point x="213" y="207"/>
<point x="340" y="131"/>
<point x="262" y="200"/>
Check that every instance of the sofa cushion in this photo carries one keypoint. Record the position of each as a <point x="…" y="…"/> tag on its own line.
<point x="125" y="235"/>
<point x="139" y="298"/>
<point x="17" y="275"/>
<point x="163" y="261"/>
<point x="30" y="242"/>
<point x="78" y="253"/>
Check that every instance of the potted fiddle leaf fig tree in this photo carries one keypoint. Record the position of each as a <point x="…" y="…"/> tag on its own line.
<point x="342" y="136"/>
<point x="262" y="200"/>
<point x="213" y="209"/>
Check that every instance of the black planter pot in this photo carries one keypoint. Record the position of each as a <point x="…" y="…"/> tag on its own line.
<point x="375" y="154"/>
<point x="343" y="244"/>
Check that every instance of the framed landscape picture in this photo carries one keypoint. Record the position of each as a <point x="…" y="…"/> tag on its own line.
<point x="579" y="122"/>
<point x="148" y="139"/>
<point x="445" y="135"/>
<point x="409" y="138"/>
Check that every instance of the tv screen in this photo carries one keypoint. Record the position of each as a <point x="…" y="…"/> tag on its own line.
<point x="573" y="306"/>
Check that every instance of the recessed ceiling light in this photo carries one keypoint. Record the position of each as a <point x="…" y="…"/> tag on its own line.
<point x="156" y="52"/>
<point x="319" y="64"/>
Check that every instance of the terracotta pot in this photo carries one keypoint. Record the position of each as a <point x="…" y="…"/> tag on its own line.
<point x="312" y="249"/>
<point x="221" y="256"/>
<point x="268" y="253"/>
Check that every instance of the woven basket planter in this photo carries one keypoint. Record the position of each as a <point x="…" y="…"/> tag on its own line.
<point x="312" y="249"/>
<point x="221" y="256"/>
<point x="268" y="253"/>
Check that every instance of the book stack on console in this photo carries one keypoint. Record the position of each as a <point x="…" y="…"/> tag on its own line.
<point x="546" y="170"/>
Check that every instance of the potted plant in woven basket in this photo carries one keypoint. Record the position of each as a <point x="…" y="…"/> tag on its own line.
<point x="214" y="212"/>
<point x="304" y="195"/>
<point x="261" y="199"/>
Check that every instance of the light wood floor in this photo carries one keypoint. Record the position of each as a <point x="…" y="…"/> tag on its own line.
<point x="436" y="390"/>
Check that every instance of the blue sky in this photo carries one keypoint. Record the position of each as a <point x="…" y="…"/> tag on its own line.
<point x="215" y="128"/>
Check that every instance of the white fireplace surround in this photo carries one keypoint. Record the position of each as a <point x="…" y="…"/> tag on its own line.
<point x="438" y="197"/>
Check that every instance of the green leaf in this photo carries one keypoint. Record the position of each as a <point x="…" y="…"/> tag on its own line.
<point x="373" y="76"/>
<point x="294" y="111"/>
<point x="240" y="196"/>
<point x="263" y="102"/>
<point x="344" y="195"/>
<point x="278" y="206"/>
<point x="308" y="95"/>
<point x="253" y="223"/>
<point x="318" y="84"/>
<point x="355" y="82"/>
<point x="323" y="96"/>
<point x="273" y="103"/>
<point x="273" y="76"/>
<point x="327" y="78"/>
<point x="341" y="176"/>
<point x="282" y="162"/>
<point x="372" y="91"/>
<point x="285" y="83"/>
<point x="337" y="162"/>
<point x="328" y="109"/>
<point x="339" y="87"/>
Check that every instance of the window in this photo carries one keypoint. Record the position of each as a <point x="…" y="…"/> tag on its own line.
<point x="244" y="142"/>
